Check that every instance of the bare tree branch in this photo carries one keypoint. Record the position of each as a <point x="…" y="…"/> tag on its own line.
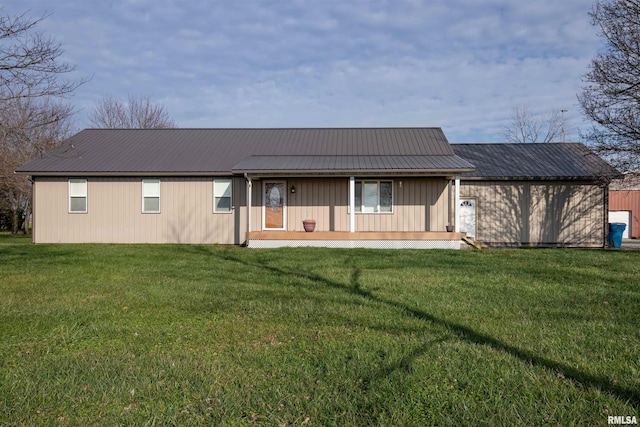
<point x="29" y="61"/>
<point x="32" y="115"/>
<point x="135" y="113"/>
<point x="525" y="127"/>
<point x="27" y="128"/>
<point x="611" y="95"/>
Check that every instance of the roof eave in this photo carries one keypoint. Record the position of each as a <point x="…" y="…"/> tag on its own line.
<point x="350" y="172"/>
<point x="124" y="173"/>
<point x="534" y="178"/>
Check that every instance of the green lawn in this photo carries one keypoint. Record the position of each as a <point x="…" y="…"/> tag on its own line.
<point x="186" y="335"/>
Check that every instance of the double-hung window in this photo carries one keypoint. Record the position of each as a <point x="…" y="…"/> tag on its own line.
<point x="374" y="196"/>
<point x="222" y="191"/>
<point x="150" y="196"/>
<point x="78" y="195"/>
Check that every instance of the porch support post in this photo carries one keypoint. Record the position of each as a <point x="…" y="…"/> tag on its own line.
<point x="352" y="204"/>
<point x="456" y="208"/>
<point x="249" y="191"/>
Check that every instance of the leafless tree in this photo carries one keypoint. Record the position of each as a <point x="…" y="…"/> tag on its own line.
<point x="135" y="113"/>
<point x="27" y="128"/>
<point x="611" y="95"/>
<point x="33" y="115"/>
<point x="526" y="127"/>
<point x="30" y="64"/>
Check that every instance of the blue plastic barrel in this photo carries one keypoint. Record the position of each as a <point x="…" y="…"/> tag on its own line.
<point x="615" y="233"/>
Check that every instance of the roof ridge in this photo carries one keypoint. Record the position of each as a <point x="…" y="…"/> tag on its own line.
<point x="273" y="128"/>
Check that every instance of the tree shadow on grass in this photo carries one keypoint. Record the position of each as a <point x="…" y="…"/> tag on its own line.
<point x="464" y="333"/>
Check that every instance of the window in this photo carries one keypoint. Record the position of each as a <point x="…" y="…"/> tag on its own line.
<point x="150" y="196"/>
<point x="374" y="196"/>
<point x="222" y="195"/>
<point x="78" y="195"/>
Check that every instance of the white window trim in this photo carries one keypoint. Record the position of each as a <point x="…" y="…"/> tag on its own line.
<point x="220" y="180"/>
<point x="360" y="209"/>
<point x="85" y="195"/>
<point x="154" y="180"/>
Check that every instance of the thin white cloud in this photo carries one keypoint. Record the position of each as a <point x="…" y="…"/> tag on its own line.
<point x="459" y="64"/>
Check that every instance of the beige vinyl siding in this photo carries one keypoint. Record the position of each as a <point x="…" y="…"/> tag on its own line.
<point x="322" y="199"/>
<point x="538" y="213"/>
<point x="420" y="204"/>
<point x="114" y="213"/>
<point x="114" y="210"/>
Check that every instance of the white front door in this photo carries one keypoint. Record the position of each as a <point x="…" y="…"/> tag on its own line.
<point x="274" y="204"/>
<point x="468" y="217"/>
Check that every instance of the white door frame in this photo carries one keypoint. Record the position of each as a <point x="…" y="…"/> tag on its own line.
<point x="466" y="200"/>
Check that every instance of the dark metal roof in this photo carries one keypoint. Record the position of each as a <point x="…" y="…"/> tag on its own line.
<point x="206" y="151"/>
<point x="347" y="164"/>
<point x="534" y="161"/>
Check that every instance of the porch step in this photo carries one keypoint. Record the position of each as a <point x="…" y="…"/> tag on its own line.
<point x="471" y="241"/>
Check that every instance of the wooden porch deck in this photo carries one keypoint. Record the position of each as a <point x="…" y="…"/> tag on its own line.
<point x="359" y="239"/>
<point x="358" y="235"/>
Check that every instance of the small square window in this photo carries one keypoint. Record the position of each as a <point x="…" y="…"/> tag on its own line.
<point x="222" y="195"/>
<point x="78" y="195"/>
<point x="151" y="196"/>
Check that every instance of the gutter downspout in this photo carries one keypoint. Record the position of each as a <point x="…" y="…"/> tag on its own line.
<point x="456" y="208"/>
<point x="249" y="191"/>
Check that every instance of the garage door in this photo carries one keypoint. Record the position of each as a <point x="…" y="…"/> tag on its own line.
<point x="621" y="217"/>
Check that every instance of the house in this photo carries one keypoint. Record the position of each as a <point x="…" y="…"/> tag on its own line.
<point x="624" y="204"/>
<point x="364" y="187"/>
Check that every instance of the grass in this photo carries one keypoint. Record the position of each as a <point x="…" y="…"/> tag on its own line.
<point x="190" y="335"/>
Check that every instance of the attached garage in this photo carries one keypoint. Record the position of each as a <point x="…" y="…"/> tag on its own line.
<point x="549" y="195"/>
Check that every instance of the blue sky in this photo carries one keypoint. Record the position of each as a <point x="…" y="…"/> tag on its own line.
<point x="462" y="65"/>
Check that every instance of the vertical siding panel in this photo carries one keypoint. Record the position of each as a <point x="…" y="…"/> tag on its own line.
<point x="94" y="212"/>
<point x="398" y="202"/>
<point x="167" y="210"/>
<point x="198" y="212"/>
<point x="256" y="217"/>
<point x="406" y="209"/>
<point x="342" y="201"/>
<point x="327" y="186"/>
<point x="431" y="204"/>
<point x="122" y="210"/>
<point x="319" y="203"/>
<point x="312" y="202"/>
<point x="184" y="225"/>
<point x="201" y="213"/>
<point x="420" y="205"/>
<point x="188" y="214"/>
<point x="322" y="221"/>
<point x="314" y="196"/>
<point x="136" y="219"/>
